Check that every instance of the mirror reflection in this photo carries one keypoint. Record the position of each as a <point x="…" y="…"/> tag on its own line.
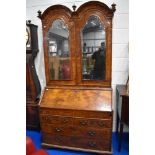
<point x="59" y="55"/>
<point x="93" y="50"/>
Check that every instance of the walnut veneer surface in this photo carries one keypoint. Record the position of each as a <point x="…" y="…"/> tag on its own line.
<point x="77" y="99"/>
<point x="77" y="119"/>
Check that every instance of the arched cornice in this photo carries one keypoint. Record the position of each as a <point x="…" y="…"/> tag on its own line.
<point x="96" y="5"/>
<point x="88" y="6"/>
<point x="55" y="8"/>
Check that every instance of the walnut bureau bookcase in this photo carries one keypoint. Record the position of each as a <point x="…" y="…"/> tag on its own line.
<point x="76" y="105"/>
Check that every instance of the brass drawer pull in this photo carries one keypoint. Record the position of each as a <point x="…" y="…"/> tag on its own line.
<point x="101" y="124"/>
<point x="65" y="120"/>
<point x="92" y="144"/>
<point x="83" y="122"/>
<point x="58" y="129"/>
<point x="58" y="139"/>
<point x="47" y="118"/>
<point x="92" y="133"/>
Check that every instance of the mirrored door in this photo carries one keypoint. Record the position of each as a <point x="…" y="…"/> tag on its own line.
<point x="93" y="49"/>
<point x="59" y="51"/>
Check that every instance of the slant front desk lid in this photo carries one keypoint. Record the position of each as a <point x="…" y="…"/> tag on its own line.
<point x="79" y="99"/>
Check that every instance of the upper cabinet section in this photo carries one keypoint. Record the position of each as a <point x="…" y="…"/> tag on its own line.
<point x="78" y="44"/>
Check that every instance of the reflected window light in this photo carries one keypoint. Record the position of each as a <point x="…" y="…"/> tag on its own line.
<point x="52" y="46"/>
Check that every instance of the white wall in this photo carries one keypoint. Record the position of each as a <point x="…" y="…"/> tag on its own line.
<point x="119" y="41"/>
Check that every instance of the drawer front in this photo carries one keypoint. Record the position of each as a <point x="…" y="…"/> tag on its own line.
<point x="57" y="129"/>
<point x="93" y="133"/>
<point x="76" y="113"/>
<point x="50" y="111"/>
<point x="50" y="119"/>
<point x="93" y="144"/>
<point x="78" y="142"/>
<point x="57" y="140"/>
<point x="94" y="123"/>
<point x="93" y="114"/>
<point x="76" y="131"/>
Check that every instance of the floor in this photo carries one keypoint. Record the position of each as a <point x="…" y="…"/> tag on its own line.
<point x="36" y="137"/>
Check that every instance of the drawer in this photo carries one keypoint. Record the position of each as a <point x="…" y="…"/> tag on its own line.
<point x="76" y="113"/>
<point x="50" y="119"/>
<point x="93" y="133"/>
<point x="93" y="114"/>
<point x="78" y="142"/>
<point x="94" y="123"/>
<point x="57" y="129"/>
<point x="50" y="111"/>
<point x="93" y="144"/>
<point x="76" y="131"/>
<point x="57" y="140"/>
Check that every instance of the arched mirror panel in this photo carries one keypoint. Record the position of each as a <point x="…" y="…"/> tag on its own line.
<point x="59" y="51"/>
<point x="93" y="43"/>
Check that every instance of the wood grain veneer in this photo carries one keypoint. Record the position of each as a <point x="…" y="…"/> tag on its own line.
<point x="77" y="114"/>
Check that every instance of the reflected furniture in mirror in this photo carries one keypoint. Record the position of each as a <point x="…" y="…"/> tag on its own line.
<point x="59" y="56"/>
<point x="122" y="110"/>
<point x="33" y="88"/>
<point x="76" y="105"/>
<point x="93" y="53"/>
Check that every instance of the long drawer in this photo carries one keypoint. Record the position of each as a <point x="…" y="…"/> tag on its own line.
<point x="76" y="121"/>
<point x="76" y="113"/>
<point x="76" y="141"/>
<point x="76" y="131"/>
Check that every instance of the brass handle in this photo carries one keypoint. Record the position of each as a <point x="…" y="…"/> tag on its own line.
<point x="83" y="122"/>
<point x="101" y="124"/>
<point x="57" y="129"/>
<point x="48" y="118"/>
<point x="65" y="120"/>
<point x="91" y="133"/>
<point x="58" y="139"/>
<point x="92" y="144"/>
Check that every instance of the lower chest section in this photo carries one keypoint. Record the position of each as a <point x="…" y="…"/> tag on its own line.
<point x="75" y="130"/>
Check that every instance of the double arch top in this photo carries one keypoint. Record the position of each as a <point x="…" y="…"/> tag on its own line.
<point x="91" y="5"/>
